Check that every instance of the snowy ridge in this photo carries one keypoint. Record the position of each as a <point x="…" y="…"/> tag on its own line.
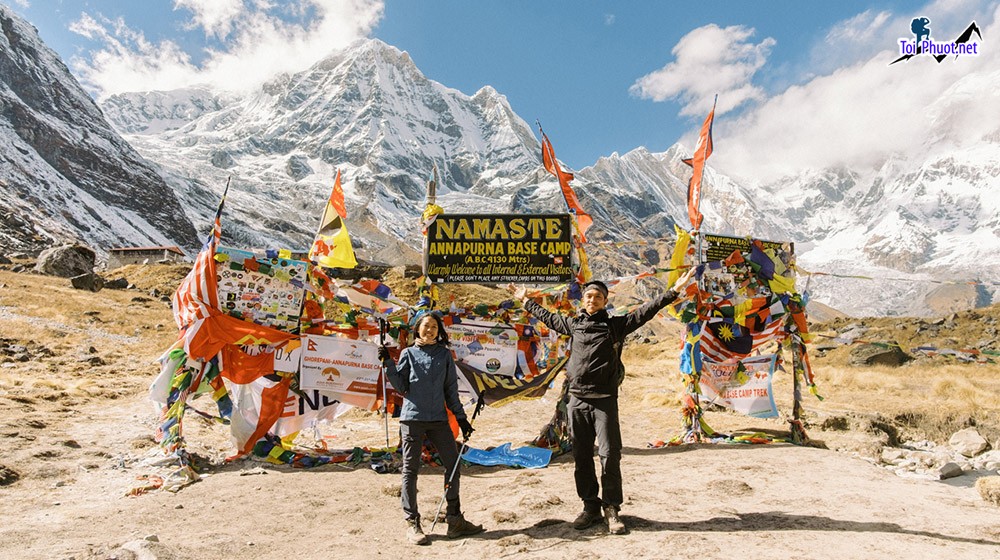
<point x="369" y="111"/>
<point x="65" y="174"/>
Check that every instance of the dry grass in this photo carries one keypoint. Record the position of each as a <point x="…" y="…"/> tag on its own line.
<point x="989" y="489"/>
<point x="925" y="399"/>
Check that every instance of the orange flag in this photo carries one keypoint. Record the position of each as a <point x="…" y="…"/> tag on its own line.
<point x="583" y="219"/>
<point x="337" y="198"/>
<point x="697" y="162"/>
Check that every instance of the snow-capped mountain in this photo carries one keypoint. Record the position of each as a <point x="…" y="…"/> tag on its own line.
<point x="369" y="111"/>
<point x="65" y="174"/>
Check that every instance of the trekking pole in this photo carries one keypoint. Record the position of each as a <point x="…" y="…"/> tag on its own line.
<point x="385" y="390"/>
<point x="458" y="461"/>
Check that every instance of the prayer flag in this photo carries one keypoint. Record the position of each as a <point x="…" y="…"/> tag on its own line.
<point x="197" y="295"/>
<point x="722" y="341"/>
<point x="697" y="162"/>
<point x="332" y="247"/>
<point x="583" y="220"/>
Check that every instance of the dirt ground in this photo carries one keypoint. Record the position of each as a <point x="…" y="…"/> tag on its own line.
<point x="75" y="430"/>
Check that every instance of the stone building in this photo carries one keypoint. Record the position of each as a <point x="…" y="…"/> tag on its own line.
<point x="121" y="256"/>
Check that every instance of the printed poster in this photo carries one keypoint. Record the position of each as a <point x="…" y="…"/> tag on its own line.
<point x="487" y="347"/>
<point x="736" y="275"/>
<point x="265" y="291"/>
<point x="341" y="368"/>
<point x="743" y="386"/>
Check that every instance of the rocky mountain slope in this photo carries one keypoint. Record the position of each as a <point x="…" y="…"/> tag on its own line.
<point x="64" y="172"/>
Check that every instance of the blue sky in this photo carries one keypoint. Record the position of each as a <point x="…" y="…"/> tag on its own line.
<point x="806" y="80"/>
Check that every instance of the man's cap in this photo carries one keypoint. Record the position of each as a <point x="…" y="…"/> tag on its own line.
<point x="596" y="285"/>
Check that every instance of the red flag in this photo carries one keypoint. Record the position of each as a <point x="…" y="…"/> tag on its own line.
<point x="583" y="219"/>
<point x="697" y="162"/>
<point x="337" y="198"/>
<point x="197" y="295"/>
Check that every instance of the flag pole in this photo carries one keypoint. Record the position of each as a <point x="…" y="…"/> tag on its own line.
<point x="385" y="390"/>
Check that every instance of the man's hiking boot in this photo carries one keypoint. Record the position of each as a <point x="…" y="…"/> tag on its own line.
<point x="615" y="524"/>
<point x="586" y="519"/>
<point x="459" y="526"/>
<point x="414" y="534"/>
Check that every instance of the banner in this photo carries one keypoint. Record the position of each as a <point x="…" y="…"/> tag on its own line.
<point x="743" y="386"/>
<point x="497" y="390"/>
<point x="739" y="263"/>
<point x="261" y="290"/>
<point x="496" y="249"/>
<point x="301" y="411"/>
<point x="286" y="357"/>
<point x="341" y="368"/>
<point x="485" y="347"/>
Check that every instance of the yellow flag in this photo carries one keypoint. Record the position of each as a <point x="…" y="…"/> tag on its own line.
<point x="332" y="247"/>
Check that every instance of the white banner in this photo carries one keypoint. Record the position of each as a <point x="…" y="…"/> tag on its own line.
<point x="344" y="369"/>
<point x="485" y="347"/>
<point x="744" y="386"/>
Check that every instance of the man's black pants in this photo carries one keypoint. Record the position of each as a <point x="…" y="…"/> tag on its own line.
<point x="591" y="419"/>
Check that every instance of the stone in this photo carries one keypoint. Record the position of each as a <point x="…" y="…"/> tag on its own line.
<point x="5" y="260"/>
<point x="144" y="550"/>
<point x="66" y="261"/>
<point x="949" y="470"/>
<point x="892" y="455"/>
<point x="989" y="461"/>
<point x="882" y="355"/>
<point x="8" y="476"/>
<point x="968" y="442"/>
<point x="89" y="281"/>
<point x="117" y="284"/>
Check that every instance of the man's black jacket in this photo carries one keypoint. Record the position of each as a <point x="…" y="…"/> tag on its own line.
<point x="595" y="346"/>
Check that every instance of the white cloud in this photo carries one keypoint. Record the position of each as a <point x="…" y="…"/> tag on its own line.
<point x="862" y="27"/>
<point x="259" y="45"/>
<point x="865" y="111"/>
<point x="709" y="60"/>
<point x="609" y="19"/>
<point x="216" y="17"/>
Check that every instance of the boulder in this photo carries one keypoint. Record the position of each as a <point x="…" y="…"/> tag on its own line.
<point x="89" y="281"/>
<point x="879" y="355"/>
<point x="8" y="475"/>
<point x="66" y="261"/>
<point x="117" y="284"/>
<point x="968" y="442"/>
<point x="5" y="260"/>
<point x="950" y="470"/>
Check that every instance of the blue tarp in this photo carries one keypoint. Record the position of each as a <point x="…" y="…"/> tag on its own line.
<point x="527" y="457"/>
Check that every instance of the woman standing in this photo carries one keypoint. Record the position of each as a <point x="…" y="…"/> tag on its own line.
<point x="427" y="379"/>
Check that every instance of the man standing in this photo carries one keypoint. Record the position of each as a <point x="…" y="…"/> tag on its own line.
<point x="594" y="371"/>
